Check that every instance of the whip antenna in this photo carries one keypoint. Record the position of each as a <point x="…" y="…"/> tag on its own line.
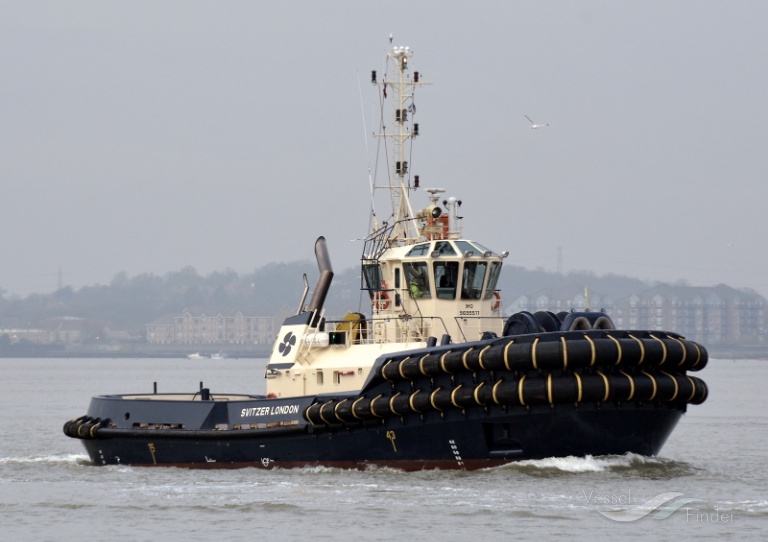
<point x="367" y="153"/>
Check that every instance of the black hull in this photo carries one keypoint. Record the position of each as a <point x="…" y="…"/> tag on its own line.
<point x="459" y="407"/>
<point x="455" y="442"/>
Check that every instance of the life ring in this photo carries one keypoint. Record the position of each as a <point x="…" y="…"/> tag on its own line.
<point x="381" y="301"/>
<point x="271" y="395"/>
<point x="496" y="301"/>
<point x="380" y="298"/>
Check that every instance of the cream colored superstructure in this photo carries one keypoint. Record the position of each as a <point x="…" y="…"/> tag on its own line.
<point x="427" y="285"/>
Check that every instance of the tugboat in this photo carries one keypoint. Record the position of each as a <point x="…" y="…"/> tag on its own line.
<point x="433" y="377"/>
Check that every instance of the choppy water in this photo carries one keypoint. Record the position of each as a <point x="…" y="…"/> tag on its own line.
<point x="715" y="460"/>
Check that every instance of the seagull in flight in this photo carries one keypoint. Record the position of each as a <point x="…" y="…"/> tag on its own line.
<point x="534" y="125"/>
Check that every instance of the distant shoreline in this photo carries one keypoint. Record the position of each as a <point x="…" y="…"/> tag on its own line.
<point x="725" y="352"/>
<point x="129" y="351"/>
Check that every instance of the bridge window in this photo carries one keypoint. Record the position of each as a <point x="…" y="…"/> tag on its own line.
<point x="472" y="280"/>
<point x="419" y="250"/>
<point x="444" y="248"/>
<point x="493" y="278"/>
<point x="397" y="287"/>
<point x="417" y="279"/>
<point x="372" y="277"/>
<point x="446" y="279"/>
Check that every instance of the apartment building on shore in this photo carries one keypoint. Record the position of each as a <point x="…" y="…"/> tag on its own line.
<point x="714" y="316"/>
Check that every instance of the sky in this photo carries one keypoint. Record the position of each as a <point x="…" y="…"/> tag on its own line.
<point x="145" y="136"/>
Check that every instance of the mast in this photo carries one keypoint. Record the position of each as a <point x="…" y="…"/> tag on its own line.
<point x="398" y="87"/>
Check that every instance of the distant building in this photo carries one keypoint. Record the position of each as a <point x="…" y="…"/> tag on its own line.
<point x="716" y="316"/>
<point x="15" y="335"/>
<point x="216" y="326"/>
<point x="58" y="330"/>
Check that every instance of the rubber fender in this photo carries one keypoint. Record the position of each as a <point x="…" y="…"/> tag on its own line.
<point x="408" y="369"/>
<point x="646" y="386"/>
<point x="514" y="356"/>
<point x="505" y="392"/>
<point x="398" y="404"/>
<point x="343" y="411"/>
<point x="595" y="387"/>
<point x="534" y="391"/>
<point x="327" y="412"/>
<point x="384" y="371"/>
<point x="563" y="350"/>
<point x="312" y="414"/>
<point x="548" y="321"/>
<point x="440" y="399"/>
<point x="70" y="427"/>
<point x="668" y="389"/>
<point x="599" y="319"/>
<point x="552" y="387"/>
<point x="521" y="323"/>
<point x="550" y="354"/>
<point x="632" y="350"/>
<point x="622" y="387"/>
<point x="429" y="365"/>
<point x="696" y="356"/>
<point x="700" y="391"/>
<point x="464" y="397"/>
<point x="453" y="362"/>
<point x="361" y="408"/>
<point x="563" y="389"/>
<point x="419" y="401"/>
<point x="380" y="406"/>
<point x="575" y="321"/>
<point x="84" y="427"/>
<point x="654" y="349"/>
<point x="591" y="320"/>
<point x="683" y="354"/>
<point x="391" y="370"/>
<point x="603" y="322"/>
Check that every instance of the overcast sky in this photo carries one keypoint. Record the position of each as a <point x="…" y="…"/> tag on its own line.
<point x="147" y="136"/>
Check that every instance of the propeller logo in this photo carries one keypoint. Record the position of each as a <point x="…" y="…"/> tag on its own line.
<point x="288" y="341"/>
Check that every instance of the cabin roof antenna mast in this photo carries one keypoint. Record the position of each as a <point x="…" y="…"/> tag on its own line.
<point x="401" y="86"/>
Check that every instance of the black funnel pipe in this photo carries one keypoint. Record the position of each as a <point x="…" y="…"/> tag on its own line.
<point x="326" y="276"/>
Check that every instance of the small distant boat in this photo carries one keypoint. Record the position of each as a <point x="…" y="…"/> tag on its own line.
<point x="219" y="355"/>
<point x="196" y="355"/>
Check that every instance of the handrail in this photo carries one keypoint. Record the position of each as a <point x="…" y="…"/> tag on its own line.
<point x="426" y="324"/>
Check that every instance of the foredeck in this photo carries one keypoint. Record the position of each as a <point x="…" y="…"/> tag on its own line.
<point x="187" y="397"/>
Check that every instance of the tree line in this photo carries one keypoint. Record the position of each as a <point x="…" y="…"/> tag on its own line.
<point x="131" y="302"/>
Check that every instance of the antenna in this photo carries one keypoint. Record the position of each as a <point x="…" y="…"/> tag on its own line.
<point x="398" y="87"/>
<point x="365" y="139"/>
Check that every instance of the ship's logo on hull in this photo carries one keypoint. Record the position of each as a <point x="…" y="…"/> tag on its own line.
<point x="288" y="341"/>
